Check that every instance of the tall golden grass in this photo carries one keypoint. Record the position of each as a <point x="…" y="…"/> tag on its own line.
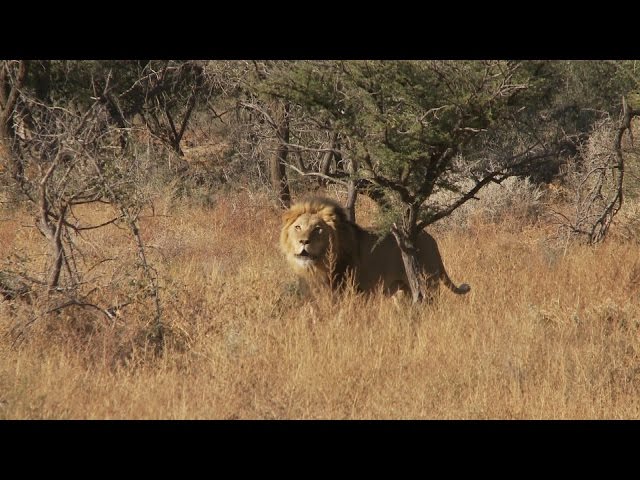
<point x="549" y="330"/>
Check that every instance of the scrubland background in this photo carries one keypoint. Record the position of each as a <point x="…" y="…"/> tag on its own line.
<point x="550" y="329"/>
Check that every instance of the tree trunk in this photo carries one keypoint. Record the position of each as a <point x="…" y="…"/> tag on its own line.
<point x="325" y="163"/>
<point x="406" y="238"/>
<point x="9" y="92"/>
<point x="57" y="254"/>
<point x="43" y="80"/>
<point x="53" y="233"/>
<point x="411" y="264"/>
<point x="352" y="194"/>
<point x="602" y="224"/>
<point x="278" y="160"/>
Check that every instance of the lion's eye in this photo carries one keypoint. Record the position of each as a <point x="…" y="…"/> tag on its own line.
<point x="297" y="227"/>
<point x="318" y="229"/>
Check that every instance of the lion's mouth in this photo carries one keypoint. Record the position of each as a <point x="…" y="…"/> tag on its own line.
<point x="305" y="256"/>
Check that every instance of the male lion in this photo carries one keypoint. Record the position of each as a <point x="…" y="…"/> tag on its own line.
<point x="322" y="246"/>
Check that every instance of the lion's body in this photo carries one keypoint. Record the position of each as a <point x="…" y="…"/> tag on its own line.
<point x="322" y="246"/>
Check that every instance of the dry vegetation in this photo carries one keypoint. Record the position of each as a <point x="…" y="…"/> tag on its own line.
<point x="549" y="330"/>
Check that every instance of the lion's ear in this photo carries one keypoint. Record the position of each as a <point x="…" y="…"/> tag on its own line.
<point x="331" y="216"/>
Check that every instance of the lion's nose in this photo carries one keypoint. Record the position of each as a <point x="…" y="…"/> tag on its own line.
<point x="304" y="242"/>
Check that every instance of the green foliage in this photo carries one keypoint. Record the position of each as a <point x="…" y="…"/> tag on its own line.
<point x="75" y="82"/>
<point x="580" y="92"/>
<point x="409" y="118"/>
<point x="135" y="83"/>
<point x="413" y="128"/>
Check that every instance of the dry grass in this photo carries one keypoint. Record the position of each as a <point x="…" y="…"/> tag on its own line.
<point x="548" y="331"/>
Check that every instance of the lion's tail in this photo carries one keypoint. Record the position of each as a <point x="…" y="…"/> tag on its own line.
<point x="462" y="289"/>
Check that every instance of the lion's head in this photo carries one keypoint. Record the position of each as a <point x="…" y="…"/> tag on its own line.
<point x="317" y="238"/>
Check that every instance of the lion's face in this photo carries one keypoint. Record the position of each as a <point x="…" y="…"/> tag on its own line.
<point x="312" y="239"/>
<point x="308" y="238"/>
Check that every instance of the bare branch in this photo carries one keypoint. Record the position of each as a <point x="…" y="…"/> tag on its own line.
<point x="261" y="111"/>
<point x="603" y="222"/>
<point x="497" y="176"/>
<point x="185" y="119"/>
<point x="317" y="174"/>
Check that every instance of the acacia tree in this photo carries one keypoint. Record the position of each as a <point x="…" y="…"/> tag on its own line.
<point x="274" y="131"/>
<point x="416" y="127"/>
<point x="596" y="177"/>
<point x="264" y="120"/>
<point x="169" y="92"/>
<point x="164" y="94"/>
<point x="64" y="160"/>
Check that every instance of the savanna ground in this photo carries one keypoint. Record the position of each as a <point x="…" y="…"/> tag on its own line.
<point x="549" y="330"/>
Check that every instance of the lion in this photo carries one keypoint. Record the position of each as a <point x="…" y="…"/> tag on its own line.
<point x="322" y="246"/>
